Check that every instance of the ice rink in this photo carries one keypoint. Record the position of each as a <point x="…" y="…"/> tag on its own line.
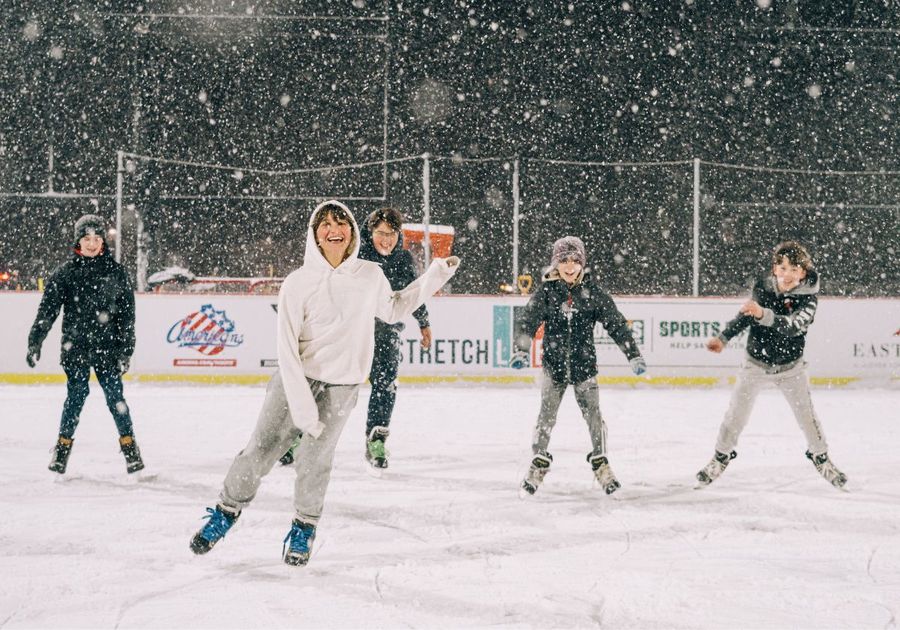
<point x="442" y="540"/>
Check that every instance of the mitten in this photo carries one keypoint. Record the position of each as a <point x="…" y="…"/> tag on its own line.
<point x="519" y="360"/>
<point x="33" y="356"/>
<point x="638" y="365"/>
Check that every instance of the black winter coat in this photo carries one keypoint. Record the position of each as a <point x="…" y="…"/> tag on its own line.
<point x="98" y="309"/>
<point x="779" y="337"/>
<point x="400" y="271"/>
<point x="569" y="314"/>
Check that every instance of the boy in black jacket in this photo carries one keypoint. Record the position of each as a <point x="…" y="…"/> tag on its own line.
<point x="569" y="304"/>
<point x="97" y="301"/>
<point x="779" y="314"/>
<point x="382" y="242"/>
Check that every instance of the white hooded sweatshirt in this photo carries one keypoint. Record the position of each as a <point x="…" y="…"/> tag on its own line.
<point x="326" y="320"/>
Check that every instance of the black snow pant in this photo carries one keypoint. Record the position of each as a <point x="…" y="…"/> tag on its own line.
<point x="78" y="373"/>
<point x="383" y="378"/>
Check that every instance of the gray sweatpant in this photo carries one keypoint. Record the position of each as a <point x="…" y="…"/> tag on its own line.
<point x="587" y="395"/>
<point x="792" y="382"/>
<point x="273" y="436"/>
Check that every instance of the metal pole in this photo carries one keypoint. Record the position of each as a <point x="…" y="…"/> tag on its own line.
<point x="141" y="254"/>
<point x="120" y="175"/>
<point x="696" y="280"/>
<point x="50" y="168"/>
<point x="426" y="206"/>
<point x="515" y="225"/>
<point x="384" y="139"/>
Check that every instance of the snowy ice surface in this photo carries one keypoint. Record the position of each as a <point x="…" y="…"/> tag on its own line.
<point x="442" y="540"/>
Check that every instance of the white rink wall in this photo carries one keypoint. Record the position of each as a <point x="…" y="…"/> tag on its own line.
<point x="231" y="338"/>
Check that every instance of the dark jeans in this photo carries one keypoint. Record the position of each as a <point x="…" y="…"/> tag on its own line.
<point x="78" y="372"/>
<point x="383" y="378"/>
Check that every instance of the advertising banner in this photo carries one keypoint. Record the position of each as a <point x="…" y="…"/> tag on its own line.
<point x="231" y="338"/>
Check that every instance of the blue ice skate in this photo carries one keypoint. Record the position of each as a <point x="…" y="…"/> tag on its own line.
<point x="298" y="543"/>
<point x="220" y="521"/>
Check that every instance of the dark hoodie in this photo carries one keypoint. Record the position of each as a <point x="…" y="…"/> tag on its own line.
<point x="569" y="314"/>
<point x="399" y="269"/>
<point x="98" y="309"/>
<point x="778" y="338"/>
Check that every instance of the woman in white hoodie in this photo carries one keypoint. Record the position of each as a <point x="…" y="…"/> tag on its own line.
<point x="326" y="321"/>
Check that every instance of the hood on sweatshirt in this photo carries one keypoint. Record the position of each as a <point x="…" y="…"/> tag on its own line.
<point x="313" y="255"/>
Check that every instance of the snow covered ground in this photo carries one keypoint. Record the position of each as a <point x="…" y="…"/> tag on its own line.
<point x="442" y="540"/>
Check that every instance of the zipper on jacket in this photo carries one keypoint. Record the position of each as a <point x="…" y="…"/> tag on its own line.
<point x="569" y="303"/>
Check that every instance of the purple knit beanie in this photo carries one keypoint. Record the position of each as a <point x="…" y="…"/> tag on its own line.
<point x="568" y="247"/>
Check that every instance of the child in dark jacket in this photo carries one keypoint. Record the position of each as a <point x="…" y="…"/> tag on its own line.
<point x="779" y="314"/>
<point x="569" y="304"/>
<point x="382" y="243"/>
<point x="97" y="301"/>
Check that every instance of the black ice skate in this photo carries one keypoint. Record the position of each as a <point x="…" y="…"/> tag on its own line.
<point x="220" y="521"/>
<point x="288" y="458"/>
<point x="714" y="468"/>
<point x="376" y="453"/>
<point x="603" y="473"/>
<point x="61" y="455"/>
<point x="539" y="468"/>
<point x="827" y="469"/>
<point x="132" y="453"/>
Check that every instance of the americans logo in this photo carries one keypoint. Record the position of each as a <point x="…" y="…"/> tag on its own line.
<point x="207" y="331"/>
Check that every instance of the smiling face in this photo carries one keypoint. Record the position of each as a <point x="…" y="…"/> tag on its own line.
<point x="787" y="275"/>
<point x="569" y="270"/>
<point x="90" y="245"/>
<point x="385" y="238"/>
<point x="334" y="237"/>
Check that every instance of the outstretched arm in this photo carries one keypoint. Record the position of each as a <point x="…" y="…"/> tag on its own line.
<point x="396" y="305"/>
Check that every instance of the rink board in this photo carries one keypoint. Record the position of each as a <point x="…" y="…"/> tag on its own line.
<point x="231" y="339"/>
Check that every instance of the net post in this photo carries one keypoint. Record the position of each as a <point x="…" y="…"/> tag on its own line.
<point x="696" y="230"/>
<point x="426" y="206"/>
<point x="120" y="174"/>
<point x="515" y="225"/>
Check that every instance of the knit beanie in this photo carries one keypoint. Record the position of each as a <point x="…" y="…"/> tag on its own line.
<point x="90" y="224"/>
<point x="568" y="247"/>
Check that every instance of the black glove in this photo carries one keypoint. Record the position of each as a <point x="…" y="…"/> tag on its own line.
<point x="124" y="363"/>
<point x="33" y="356"/>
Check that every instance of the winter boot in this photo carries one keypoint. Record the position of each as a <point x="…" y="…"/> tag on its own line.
<point x="714" y="468"/>
<point x="61" y="455"/>
<point x="376" y="453"/>
<point x="603" y="473"/>
<point x="298" y="543"/>
<point x="539" y="468"/>
<point x="220" y="521"/>
<point x="827" y="469"/>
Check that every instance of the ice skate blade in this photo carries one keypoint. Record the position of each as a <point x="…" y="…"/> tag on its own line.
<point x="609" y="490"/>
<point x="143" y="476"/>
<point x="377" y="473"/>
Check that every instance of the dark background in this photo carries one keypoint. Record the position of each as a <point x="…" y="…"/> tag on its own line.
<point x="789" y="85"/>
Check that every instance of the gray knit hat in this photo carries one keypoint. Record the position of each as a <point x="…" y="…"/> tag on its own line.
<point x="90" y="224"/>
<point x="568" y="247"/>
